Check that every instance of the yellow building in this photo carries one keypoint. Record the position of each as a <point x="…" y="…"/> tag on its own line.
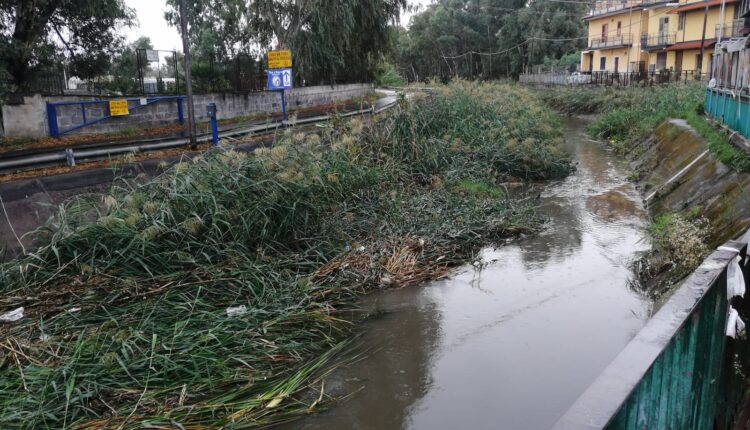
<point x="656" y="36"/>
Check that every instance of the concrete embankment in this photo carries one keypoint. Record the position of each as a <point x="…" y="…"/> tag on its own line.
<point x="677" y="173"/>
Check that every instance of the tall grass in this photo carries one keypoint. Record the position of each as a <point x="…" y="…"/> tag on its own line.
<point x="127" y="322"/>
<point x="626" y="116"/>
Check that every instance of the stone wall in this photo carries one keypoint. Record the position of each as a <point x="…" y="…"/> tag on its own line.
<point x="30" y="118"/>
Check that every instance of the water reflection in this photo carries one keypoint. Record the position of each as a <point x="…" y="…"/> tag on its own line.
<point x="513" y="345"/>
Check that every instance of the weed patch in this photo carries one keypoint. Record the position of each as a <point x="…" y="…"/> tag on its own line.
<point x="214" y="295"/>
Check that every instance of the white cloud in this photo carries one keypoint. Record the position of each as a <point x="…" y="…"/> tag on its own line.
<point x="151" y="23"/>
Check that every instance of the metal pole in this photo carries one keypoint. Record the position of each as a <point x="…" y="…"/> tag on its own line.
<point x="720" y="33"/>
<point x="703" y="38"/>
<point x="283" y="109"/>
<point x="140" y="70"/>
<point x="214" y="124"/>
<point x="188" y="82"/>
<point x="176" y="73"/>
<point x="630" y="29"/>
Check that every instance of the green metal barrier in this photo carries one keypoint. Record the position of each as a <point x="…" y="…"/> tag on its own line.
<point x="680" y="371"/>
<point x="730" y="108"/>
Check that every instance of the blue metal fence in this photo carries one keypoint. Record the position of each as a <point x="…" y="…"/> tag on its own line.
<point x="56" y="131"/>
<point x="679" y="372"/>
<point x="730" y="108"/>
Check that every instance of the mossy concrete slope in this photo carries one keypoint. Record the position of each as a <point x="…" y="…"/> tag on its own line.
<point x="678" y="174"/>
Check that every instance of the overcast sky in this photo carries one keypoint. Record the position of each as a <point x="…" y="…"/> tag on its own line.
<point x="151" y="23"/>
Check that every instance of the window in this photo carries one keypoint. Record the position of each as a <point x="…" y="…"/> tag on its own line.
<point x="617" y="64"/>
<point x="605" y="30"/>
<point x="681" y="21"/>
<point x="619" y="28"/>
<point x="663" y="25"/>
<point x="698" y="63"/>
<point x="602" y="63"/>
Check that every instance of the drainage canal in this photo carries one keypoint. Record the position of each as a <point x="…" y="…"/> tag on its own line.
<point x="510" y="345"/>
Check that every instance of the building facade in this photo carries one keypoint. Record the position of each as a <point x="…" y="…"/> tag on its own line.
<point x="658" y="36"/>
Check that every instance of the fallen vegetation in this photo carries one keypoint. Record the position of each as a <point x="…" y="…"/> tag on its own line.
<point x="626" y="116"/>
<point x="679" y="246"/>
<point x="214" y="295"/>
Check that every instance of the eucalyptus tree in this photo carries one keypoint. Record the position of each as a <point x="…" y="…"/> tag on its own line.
<point x="543" y="29"/>
<point x="36" y="34"/>
<point x="488" y="38"/>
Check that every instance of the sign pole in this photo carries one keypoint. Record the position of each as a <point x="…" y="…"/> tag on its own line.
<point x="280" y="76"/>
<point x="188" y="81"/>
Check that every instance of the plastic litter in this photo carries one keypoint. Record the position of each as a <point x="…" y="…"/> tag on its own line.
<point x="734" y="323"/>
<point x="14" y="315"/>
<point x="236" y="311"/>
<point x="735" y="279"/>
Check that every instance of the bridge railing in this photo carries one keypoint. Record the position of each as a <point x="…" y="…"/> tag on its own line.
<point x="679" y="370"/>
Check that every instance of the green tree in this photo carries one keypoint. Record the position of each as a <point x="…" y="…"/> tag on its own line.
<point x="35" y="34"/>
<point x="331" y="40"/>
<point x="542" y="29"/>
<point x="124" y="69"/>
<point x="456" y="37"/>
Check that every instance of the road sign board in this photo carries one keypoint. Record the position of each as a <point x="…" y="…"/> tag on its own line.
<point x="280" y="79"/>
<point x="118" y="107"/>
<point x="279" y="59"/>
<point x="152" y="56"/>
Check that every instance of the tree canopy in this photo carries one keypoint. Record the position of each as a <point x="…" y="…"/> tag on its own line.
<point x="440" y="40"/>
<point x="331" y="40"/>
<point x="36" y="34"/>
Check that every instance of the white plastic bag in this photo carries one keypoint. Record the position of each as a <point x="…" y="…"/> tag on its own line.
<point x="735" y="279"/>
<point x="236" y="311"/>
<point x="734" y="323"/>
<point x="14" y="315"/>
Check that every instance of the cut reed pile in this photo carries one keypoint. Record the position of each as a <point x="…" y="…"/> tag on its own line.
<point x="214" y="295"/>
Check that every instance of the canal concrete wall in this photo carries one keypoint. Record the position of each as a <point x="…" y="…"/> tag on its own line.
<point x="677" y="173"/>
<point x="29" y="118"/>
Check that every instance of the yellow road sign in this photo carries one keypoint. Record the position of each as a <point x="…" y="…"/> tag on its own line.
<point x="279" y="59"/>
<point x="118" y="107"/>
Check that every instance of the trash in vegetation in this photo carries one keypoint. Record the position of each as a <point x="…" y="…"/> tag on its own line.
<point x="11" y="316"/>
<point x="236" y="310"/>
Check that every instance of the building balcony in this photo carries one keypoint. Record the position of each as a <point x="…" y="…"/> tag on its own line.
<point x="657" y="41"/>
<point x="730" y="29"/>
<point x="606" y="7"/>
<point x="611" y="41"/>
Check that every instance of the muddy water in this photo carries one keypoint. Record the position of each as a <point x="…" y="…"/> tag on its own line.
<point x="510" y="345"/>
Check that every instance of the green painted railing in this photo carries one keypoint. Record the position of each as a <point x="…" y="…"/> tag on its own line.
<point x="680" y="371"/>
<point x="730" y="108"/>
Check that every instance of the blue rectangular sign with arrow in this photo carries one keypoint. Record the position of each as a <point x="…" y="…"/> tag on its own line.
<point x="279" y="79"/>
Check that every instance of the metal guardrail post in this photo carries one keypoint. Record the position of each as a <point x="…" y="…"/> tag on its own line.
<point x="211" y="110"/>
<point x="180" y="111"/>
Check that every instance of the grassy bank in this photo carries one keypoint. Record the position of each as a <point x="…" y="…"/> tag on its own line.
<point x="626" y="116"/>
<point x="215" y="294"/>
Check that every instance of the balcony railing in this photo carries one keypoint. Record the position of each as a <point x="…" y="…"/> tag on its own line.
<point x="609" y="6"/>
<point x="655" y="41"/>
<point x="611" y="41"/>
<point x="731" y="29"/>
